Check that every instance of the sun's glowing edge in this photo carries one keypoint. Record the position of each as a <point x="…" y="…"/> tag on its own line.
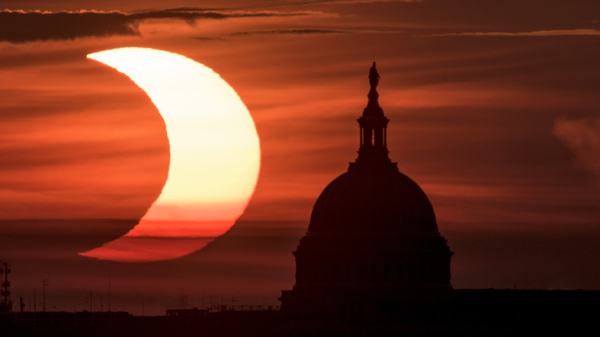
<point x="204" y="199"/>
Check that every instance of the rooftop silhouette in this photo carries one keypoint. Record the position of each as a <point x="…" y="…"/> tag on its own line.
<point x="372" y="238"/>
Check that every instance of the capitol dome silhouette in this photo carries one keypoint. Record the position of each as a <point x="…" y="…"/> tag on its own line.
<point x="377" y="200"/>
<point x="373" y="196"/>
<point x="372" y="240"/>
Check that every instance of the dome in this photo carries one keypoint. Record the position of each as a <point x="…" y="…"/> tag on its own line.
<point x="375" y="199"/>
<point x="372" y="240"/>
<point x="373" y="196"/>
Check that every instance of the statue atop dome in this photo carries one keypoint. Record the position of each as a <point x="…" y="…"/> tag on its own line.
<point x="373" y="126"/>
<point x="373" y="77"/>
<point x="373" y="107"/>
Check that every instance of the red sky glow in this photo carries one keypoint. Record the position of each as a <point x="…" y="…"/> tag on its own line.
<point x="494" y="111"/>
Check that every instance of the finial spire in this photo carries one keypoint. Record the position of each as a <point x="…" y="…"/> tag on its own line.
<point x="373" y="124"/>
<point x="374" y="81"/>
<point x="373" y="77"/>
<point x="373" y="107"/>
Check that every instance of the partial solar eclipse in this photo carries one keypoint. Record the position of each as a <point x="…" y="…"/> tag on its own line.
<point x="215" y="156"/>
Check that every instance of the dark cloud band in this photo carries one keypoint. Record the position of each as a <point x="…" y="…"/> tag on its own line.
<point x="33" y="26"/>
<point x="294" y="31"/>
<point x="20" y="26"/>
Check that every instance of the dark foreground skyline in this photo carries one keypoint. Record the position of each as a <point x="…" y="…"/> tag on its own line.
<point x="253" y="263"/>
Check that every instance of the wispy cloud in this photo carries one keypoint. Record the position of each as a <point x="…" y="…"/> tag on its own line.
<point x="582" y="136"/>
<point x="336" y="2"/>
<point x="294" y="32"/>
<point x="558" y="32"/>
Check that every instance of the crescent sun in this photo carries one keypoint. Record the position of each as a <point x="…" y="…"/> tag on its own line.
<point x="215" y="156"/>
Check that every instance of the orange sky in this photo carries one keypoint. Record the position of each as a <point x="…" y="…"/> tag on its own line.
<point x="494" y="106"/>
<point x="500" y="114"/>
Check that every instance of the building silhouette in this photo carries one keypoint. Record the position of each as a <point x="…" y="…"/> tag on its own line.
<point x="373" y="263"/>
<point x="372" y="238"/>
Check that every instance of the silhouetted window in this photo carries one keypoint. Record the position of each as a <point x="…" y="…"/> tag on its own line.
<point x="429" y="276"/>
<point x="386" y="272"/>
<point x="373" y="273"/>
<point x="335" y="270"/>
<point x="348" y="273"/>
<point x="360" y="273"/>
<point x="361" y="136"/>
